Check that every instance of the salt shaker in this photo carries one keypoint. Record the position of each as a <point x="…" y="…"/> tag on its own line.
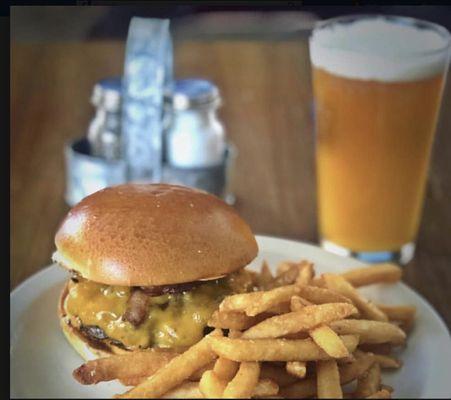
<point x="104" y="132"/>
<point x="195" y="137"/>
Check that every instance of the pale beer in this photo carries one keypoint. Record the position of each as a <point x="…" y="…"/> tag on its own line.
<point x="377" y="86"/>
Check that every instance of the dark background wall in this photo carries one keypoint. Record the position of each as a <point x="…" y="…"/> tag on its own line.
<point x="111" y="22"/>
<point x="121" y="15"/>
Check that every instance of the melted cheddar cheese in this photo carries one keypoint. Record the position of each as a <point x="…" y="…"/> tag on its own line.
<point x="173" y="320"/>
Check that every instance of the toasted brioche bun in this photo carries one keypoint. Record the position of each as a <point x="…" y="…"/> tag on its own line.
<point x="150" y="235"/>
<point x="89" y="349"/>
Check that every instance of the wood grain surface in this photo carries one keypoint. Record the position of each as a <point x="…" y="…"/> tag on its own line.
<point x="267" y="113"/>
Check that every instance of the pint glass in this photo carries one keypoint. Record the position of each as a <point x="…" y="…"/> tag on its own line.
<point x="378" y="83"/>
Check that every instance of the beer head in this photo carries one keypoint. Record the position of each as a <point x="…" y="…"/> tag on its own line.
<point x="381" y="48"/>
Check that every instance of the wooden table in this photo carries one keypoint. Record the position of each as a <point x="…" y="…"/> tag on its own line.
<point x="267" y="113"/>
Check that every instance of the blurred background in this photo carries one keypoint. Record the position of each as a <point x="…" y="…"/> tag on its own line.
<point x="192" y="20"/>
<point x="258" y="58"/>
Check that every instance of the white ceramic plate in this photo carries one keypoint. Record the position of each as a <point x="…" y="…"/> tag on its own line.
<point x="42" y="361"/>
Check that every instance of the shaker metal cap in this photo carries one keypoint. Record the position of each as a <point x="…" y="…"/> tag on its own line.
<point x="194" y="93"/>
<point x="107" y="94"/>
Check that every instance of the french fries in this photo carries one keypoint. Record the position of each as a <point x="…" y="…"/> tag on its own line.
<point x="244" y="382"/>
<point x="342" y="286"/>
<point x="187" y="390"/>
<point x="378" y="273"/>
<point x="354" y="370"/>
<point x="225" y="369"/>
<point x="328" y="380"/>
<point x="126" y="367"/>
<point x="370" y="382"/>
<point x="329" y="341"/>
<point x="274" y="349"/>
<point x="283" y="267"/>
<point x="348" y="372"/>
<point x="287" y="273"/>
<point x="405" y="315"/>
<point x="297" y="368"/>
<point x="265" y="279"/>
<point x="318" y="295"/>
<point x="296" y="336"/>
<point x="306" y="273"/>
<point x="296" y="303"/>
<point x="258" y="302"/>
<point x="265" y="388"/>
<point x="233" y="320"/>
<point x="176" y="371"/>
<point x="211" y="386"/>
<point x="303" y="320"/>
<point x="370" y="331"/>
<point x="136" y="380"/>
<point x="195" y="376"/>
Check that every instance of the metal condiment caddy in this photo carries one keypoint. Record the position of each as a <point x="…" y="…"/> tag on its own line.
<point x="124" y="142"/>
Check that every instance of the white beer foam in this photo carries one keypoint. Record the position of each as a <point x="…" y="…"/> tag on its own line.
<point x="377" y="49"/>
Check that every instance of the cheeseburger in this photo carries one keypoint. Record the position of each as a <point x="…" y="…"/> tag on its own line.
<point x="148" y="264"/>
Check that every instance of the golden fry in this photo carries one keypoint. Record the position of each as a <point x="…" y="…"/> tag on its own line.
<point x="378" y="273"/>
<point x="133" y="381"/>
<point x="274" y="349"/>
<point x="329" y="341"/>
<point x="124" y="367"/>
<point x="328" y="380"/>
<point x="306" y="273"/>
<point x="233" y="320"/>
<point x="287" y="277"/>
<point x="370" y="331"/>
<point x="225" y="369"/>
<point x="308" y="387"/>
<point x="281" y="308"/>
<point x="265" y="388"/>
<point x="244" y="382"/>
<point x="284" y="266"/>
<point x="318" y="295"/>
<point x="265" y="279"/>
<point x="187" y="390"/>
<point x="351" y="371"/>
<point x="370" y="382"/>
<point x="198" y="374"/>
<point x="404" y="314"/>
<point x="297" y="368"/>
<point x="211" y="386"/>
<point x="342" y="286"/>
<point x="176" y="371"/>
<point x="303" y="320"/>
<point x="257" y="302"/>
<point x="296" y="303"/>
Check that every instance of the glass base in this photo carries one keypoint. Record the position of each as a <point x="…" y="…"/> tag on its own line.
<point x="401" y="256"/>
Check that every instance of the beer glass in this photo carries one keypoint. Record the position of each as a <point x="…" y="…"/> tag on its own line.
<point x="378" y="83"/>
